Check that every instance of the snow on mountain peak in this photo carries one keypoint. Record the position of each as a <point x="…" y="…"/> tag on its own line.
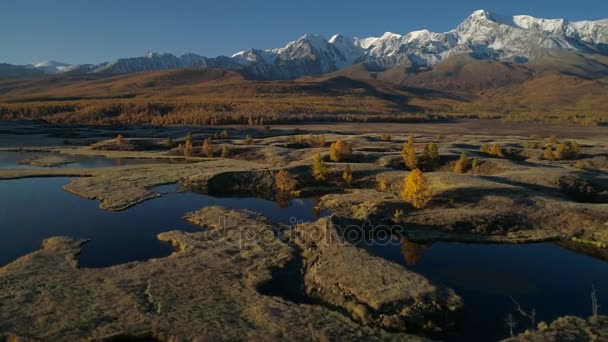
<point x="484" y="34"/>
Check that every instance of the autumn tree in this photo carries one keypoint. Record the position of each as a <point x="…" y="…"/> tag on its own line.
<point x="284" y="181"/>
<point x="120" y="139"/>
<point x="485" y="148"/>
<point x="225" y="151"/>
<point x="496" y="150"/>
<point x="347" y="175"/>
<point x="431" y="156"/>
<point x="409" y="154"/>
<point x="548" y="153"/>
<point x="462" y="163"/>
<point x="319" y="169"/>
<point x="383" y="185"/>
<point x="567" y="150"/>
<point x="340" y="150"/>
<point x="207" y="149"/>
<point x="188" y="148"/>
<point x="416" y="190"/>
<point x="316" y="140"/>
<point x="475" y="165"/>
<point x="553" y="140"/>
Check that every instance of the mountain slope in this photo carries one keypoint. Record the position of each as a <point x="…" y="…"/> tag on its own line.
<point x="482" y="35"/>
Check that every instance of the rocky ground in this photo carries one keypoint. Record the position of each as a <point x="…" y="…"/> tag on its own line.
<point x="230" y="283"/>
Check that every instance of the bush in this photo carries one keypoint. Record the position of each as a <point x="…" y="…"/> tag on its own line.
<point x="567" y="150"/>
<point x="548" y="153"/>
<point x="496" y="150"/>
<point x="475" y="165"/>
<point x="284" y="181"/>
<point x="431" y="156"/>
<point x="248" y="139"/>
<point x="347" y="175"/>
<point x="553" y="140"/>
<point x="188" y="148"/>
<point x="319" y="169"/>
<point x="386" y="137"/>
<point x="409" y="154"/>
<point x="580" y="165"/>
<point x="383" y="185"/>
<point x="225" y="151"/>
<point x="462" y="163"/>
<point x="340" y="150"/>
<point x="416" y="190"/>
<point x="224" y="134"/>
<point x="485" y="148"/>
<point x="207" y="149"/>
<point x="316" y="140"/>
<point x="120" y="139"/>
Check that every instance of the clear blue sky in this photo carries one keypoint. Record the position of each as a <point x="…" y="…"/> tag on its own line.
<point x="82" y="31"/>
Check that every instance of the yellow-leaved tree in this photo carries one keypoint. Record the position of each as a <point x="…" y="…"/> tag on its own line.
<point x="347" y="175"/>
<point x="431" y="156"/>
<point x="340" y="150"/>
<point x="416" y="190"/>
<point x="462" y="163"/>
<point x="207" y="148"/>
<point x="319" y="169"/>
<point x="409" y="154"/>
<point x="285" y="181"/>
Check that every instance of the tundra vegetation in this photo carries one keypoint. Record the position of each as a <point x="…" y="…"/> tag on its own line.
<point x="461" y="191"/>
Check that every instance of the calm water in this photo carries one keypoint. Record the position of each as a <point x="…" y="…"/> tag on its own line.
<point x="544" y="276"/>
<point x="37" y="208"/>
<point x="10" y="160"/>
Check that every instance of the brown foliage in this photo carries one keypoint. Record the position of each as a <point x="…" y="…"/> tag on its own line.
<point x="284" y="181"/>
<point x="340" y="150"/>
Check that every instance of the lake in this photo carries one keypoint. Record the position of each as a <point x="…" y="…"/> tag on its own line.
<point x="37" y="208"/>
<point x="544" y="276"/>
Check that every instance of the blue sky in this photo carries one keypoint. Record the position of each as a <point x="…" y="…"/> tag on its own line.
<point x="81" y="31"/>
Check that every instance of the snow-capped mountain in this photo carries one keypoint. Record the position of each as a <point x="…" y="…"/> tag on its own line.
<point x="50" y="67"/>
<point x="483" y="34"/>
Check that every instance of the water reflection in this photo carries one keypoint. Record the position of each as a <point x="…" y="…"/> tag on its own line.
<point x="12" y="159"/>
<point x="412" y="252"/>
<point x="553" y="280"/>
<point x="116" y="237"/>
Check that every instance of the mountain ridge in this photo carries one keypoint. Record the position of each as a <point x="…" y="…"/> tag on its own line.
<point x="483" y="34"/>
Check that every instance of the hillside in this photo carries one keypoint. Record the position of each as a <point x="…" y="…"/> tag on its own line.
<point x="459" y="87"/>
<point x="211" y="96"/>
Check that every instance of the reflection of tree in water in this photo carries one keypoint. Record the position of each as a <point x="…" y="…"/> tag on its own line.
<point x="412" y="252"/>
<point x="316" y="210"/>
<point x="282" y="199"/>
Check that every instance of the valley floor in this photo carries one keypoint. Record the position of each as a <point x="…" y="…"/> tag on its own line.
<point x="216" y="277"/>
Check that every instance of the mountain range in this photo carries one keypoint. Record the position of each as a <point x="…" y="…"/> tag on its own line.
<point x="483" y="36"/>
